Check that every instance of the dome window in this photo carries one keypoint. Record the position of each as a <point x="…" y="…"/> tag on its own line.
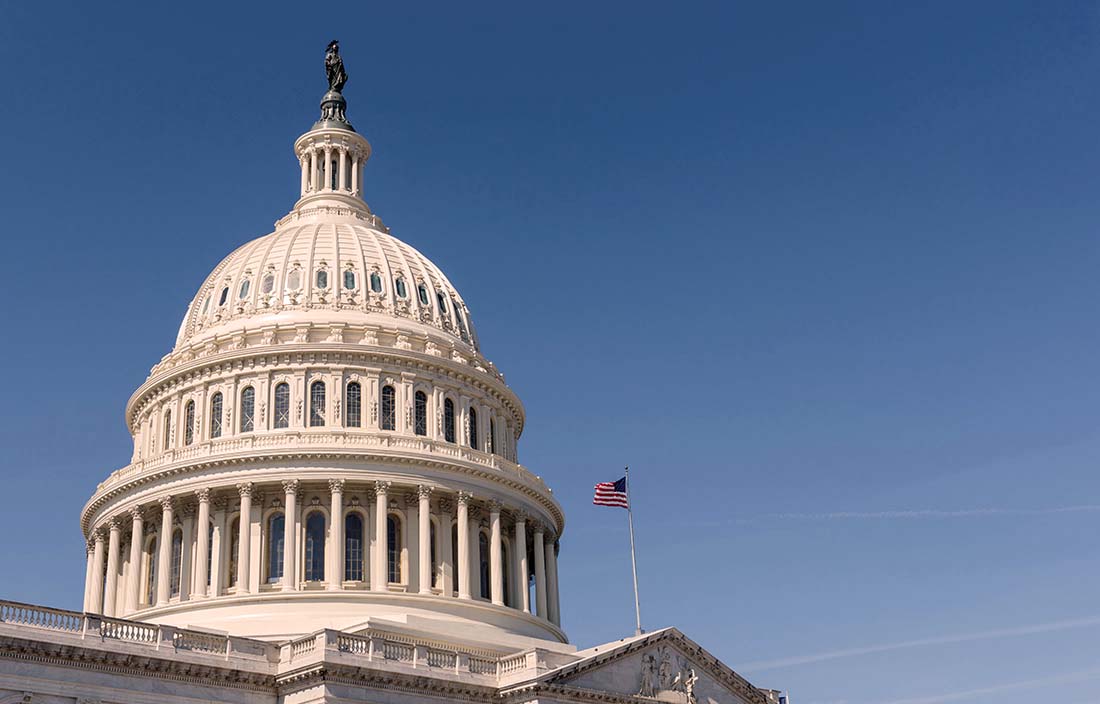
<point x="322" y="278"/>
<point x="349" y="279"/>
<point x="225" y="295"/>
<point x="268" y="284"/>
<point x="375" y="282"/>
<point x="294" y="280"/>
<point x="243" y="293"/>
<point x="206" y="305"/>
<point x="442" y="303"/>
<point x="399" y="286"/>
<point x="422" y="291"/>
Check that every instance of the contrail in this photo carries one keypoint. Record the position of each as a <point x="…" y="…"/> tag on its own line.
<point x="1065" y="678"/>
<point x="920" y="513"/>
<point x="920" y="642"/>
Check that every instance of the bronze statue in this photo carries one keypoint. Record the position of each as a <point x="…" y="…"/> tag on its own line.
<point x="334" y="67"/>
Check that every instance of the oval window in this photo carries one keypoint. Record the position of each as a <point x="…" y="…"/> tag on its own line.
<point x="294" y="280"/>
<point x="322" y="278"/>
<point x="399" y="285"/>
<point x="245" y="285"/>
<point x="349" y="279"/>
<point x="442" y="302"/>
<point x="268" y="284"/>
<point x="224" y="296"/>
<point x="422" y="291"/>
<point x="375" y="282"/>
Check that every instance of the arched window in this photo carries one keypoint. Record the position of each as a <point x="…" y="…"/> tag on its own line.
<point x="248" y="409"/>
<point x="483" y="564"/>
<point x="177" y="561"/>
<point x="151" y="548"/>
<point x="167" y="429"/>
<point x="491" y="441"/>
<point x="243" y="292"/>
<point x="294" y="280"/>
<point x="449" y="420"/>
<point x="268" y="284"/>
<point x="189" y="423"/>
<point x="234" y="551"/>
<point x="317" y="404"/>
<point x="216" y="416"/>
<point x="434" y="554"/>
<point x="322" y="278"/>
<point x="349" y="279"/>
<point x="354" y="404"/>
<point x="459" y="318"/>
<point x="225" y="295"/>
<point x="454" y="558"/>
<point x="422" y="293"/>
<point x="507" y="582"/>
<point x="282" y="405"/>
<point x="315" y="547"/>
<point x="393" y="549"/>
<point x="353" y="547"/>
<point x="399" y="286"/>
<point x="473" y="429"/>
<point x="421" y="413"/>
<point x="442" y="303"/>
<point x="375" y="282"/>
<point x="276" y="526"/>
<point x="389" y="408"/>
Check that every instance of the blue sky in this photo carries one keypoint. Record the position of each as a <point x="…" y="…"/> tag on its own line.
<point x="823" y="274"/>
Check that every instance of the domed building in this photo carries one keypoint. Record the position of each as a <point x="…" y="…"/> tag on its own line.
<point x="324" y="501"/>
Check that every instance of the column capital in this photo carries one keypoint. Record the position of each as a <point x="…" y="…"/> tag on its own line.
<point x="336" y="486"/>
<point x="90" y="545"/>
<point x="245" y="489"/>
<point x="520" y="516"/>
<point x="538" y="528"/>
<point x="113" y="525"/>
<point x="463" y="498"/>
<point x="495" y="505"/>
<point x="136" y="513"/>
<point x="97" y="534"/>
<point x="290" y="486"/>
<point x="424" y="491"/>
<point x="381" y="487"/>
<point x="203" y="495"/>
<point x="167" y="503"/>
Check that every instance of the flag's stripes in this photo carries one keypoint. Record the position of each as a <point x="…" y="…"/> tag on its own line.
<point x="611" y="494"/>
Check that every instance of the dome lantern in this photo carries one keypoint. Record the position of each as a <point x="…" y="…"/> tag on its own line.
<point x="332" y="154"/>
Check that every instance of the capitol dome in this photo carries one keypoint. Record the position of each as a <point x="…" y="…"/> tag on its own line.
<point x="325" y="446"/>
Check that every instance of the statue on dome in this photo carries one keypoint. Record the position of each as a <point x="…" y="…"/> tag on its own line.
<point x="334" y="67"/>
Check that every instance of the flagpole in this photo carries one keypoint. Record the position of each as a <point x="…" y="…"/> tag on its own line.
<point x="633" y="560"/>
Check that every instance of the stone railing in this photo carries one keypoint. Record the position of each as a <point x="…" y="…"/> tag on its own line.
<point x="304" y="440"/>
<point x="156" y="637"/>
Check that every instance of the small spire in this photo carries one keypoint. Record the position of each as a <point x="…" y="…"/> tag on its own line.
<point x="333" y="105"/>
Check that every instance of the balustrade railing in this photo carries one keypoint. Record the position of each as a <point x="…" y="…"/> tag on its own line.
<point x="41" y="617"/>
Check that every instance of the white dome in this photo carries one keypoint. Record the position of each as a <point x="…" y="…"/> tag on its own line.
<point x="313" y="270"/>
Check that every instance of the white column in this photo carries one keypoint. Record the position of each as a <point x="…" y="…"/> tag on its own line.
<point x="164" y="558"/>
<point x="540" y="571"/>
<point x="343" y="182"/>
<point x="524" y="601"/>
<point x="379" y="579"/>
<point x="218" y="539"/>
<point x="446" y="549"/>
<point x="290" y="547"/>
<point x="424" y="511"/>
<point x="88" y="572"/>
<point x="244" y="537"/>
<point x="188" y="543"/>
<point x="133" y="581"/>
<point x="496" y="571"/>
<point x="313" y="170"/>
<point x="328" y="170"/>
<point x="355" y="175"/>
<point x="463" y="545"/>
<point x="304" y="162"/>
<point x="202" y="541"/>
<point x="110" y="597"/>
<point x="552" y="582"/>
<point x="335" y="571"/>
<point x="96" y="601"/>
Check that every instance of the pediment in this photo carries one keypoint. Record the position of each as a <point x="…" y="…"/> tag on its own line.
<point x="664" y="667"/>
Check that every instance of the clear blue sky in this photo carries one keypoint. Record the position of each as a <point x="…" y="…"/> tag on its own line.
<point x="804" y="266"/>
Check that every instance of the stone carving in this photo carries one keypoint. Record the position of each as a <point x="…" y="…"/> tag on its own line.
<point x="662" y="678"/>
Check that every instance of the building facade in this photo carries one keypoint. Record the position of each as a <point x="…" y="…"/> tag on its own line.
<point x="324" y="501"/>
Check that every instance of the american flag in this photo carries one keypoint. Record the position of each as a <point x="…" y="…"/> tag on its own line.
<point x="611" y="494"/>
